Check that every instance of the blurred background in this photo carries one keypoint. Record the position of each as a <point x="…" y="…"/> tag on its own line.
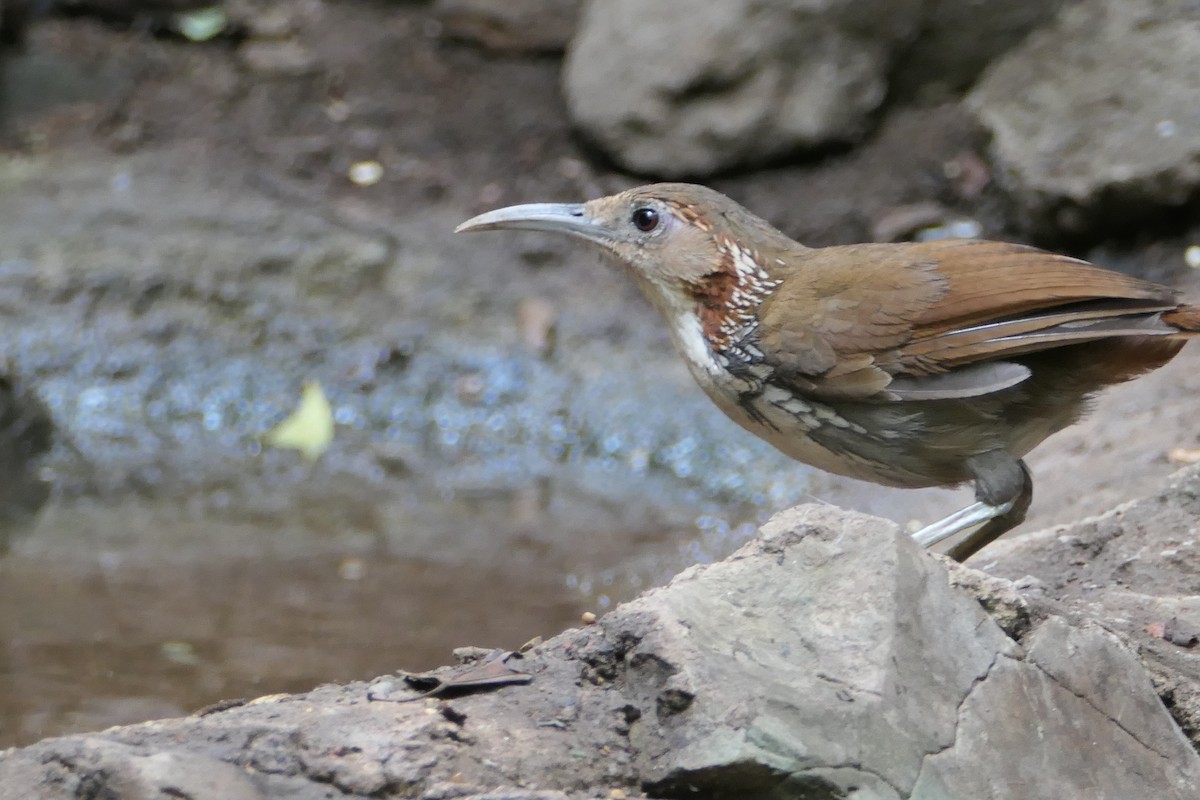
<point x="265" y="422"/>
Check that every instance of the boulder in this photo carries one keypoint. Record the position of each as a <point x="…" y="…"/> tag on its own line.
<point x="1093" y="118"/>
<point x="684" y="88"/>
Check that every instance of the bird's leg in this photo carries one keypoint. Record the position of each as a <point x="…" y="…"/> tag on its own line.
<point x="1003" y="492"/>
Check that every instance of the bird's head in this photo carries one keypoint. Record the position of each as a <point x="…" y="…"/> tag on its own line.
<point x="686" y="245"/>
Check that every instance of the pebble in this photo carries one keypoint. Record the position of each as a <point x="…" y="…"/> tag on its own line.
<point x="202" y="24"/>
<point x="352" y="569"/>
<point x="1191" y="256"/>
<point x="365" y="173"/>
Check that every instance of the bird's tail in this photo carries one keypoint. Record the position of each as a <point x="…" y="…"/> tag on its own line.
<point x="1185" y="318"/>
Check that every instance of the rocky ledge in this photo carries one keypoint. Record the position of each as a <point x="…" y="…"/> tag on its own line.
<point x="827" y="658"/>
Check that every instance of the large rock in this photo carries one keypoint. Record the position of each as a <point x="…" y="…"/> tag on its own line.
<point x="828" y="658"/>
<point x="1134" y="569"/>
<point x="885" y="683"/>
<point x="1093" y="119"/>
<point x="685" y="88"/>
<point x="803" y="667"/>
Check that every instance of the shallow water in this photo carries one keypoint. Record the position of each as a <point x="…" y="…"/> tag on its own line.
<point x="120" y="611"/>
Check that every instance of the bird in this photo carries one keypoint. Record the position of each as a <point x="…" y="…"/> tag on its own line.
<point x="907" y="364"/>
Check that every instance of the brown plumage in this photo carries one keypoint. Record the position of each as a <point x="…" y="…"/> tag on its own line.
<point x="904" y="364"/>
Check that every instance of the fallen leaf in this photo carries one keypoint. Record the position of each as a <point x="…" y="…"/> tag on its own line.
<point x="309" y="428"/>
<point x="202" y="24"/>
<point x="491" y="673"/>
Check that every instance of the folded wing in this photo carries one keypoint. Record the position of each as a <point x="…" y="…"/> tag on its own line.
<point x="944" y="319"/>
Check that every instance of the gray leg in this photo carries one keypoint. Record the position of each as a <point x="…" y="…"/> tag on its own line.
<point x="1003" y="492"/>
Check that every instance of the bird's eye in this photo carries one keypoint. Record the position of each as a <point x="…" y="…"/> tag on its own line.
<point x="645" y="219"/>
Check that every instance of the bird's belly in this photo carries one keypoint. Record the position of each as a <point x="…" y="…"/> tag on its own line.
<point x="774" y="422"/>
<point x="817" y="435"/>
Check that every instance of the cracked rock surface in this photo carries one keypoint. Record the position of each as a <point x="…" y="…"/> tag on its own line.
<point x="827" y="658"/>
<point x="1132" y="570"/>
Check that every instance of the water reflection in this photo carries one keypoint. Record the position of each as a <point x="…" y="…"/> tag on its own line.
<point x="118" y="612"/>
<point x="122" y="640"/>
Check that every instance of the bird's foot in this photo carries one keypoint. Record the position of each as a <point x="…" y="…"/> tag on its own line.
<point x="1003" y="492"/>
<point x="975" y="514"/>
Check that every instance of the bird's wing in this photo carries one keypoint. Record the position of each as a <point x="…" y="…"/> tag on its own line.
<point x="939" y="319"/>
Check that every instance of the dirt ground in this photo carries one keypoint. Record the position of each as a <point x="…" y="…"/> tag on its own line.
<point x="456" y="131"/>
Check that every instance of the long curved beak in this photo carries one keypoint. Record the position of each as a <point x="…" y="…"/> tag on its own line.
<point x="570" y="218"/>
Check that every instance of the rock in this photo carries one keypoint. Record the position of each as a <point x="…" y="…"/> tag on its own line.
<point x="1082" y="658"/>
<point x="689" y="89"/>
<point x="959" y="38"/>
<point x="829" y="657"/>
<point x="1000" y="598"/>
<point x="1133" y="571"/>
<point x="1065" y="746"/>
<point x="1093" y="118"/>
<point x="87" y="764"/>
<point x="514" y="26"/>
<point x="790" y="645"/>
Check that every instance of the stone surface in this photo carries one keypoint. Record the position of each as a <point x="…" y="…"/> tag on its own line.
<point x="1134" y="571"/>
<point x="512" y="26"/>
<point x="1093" y="119"/>
<point x="1052" y="744"/>
<point x="1084" y="660"/>
<point x="87" y="764"/>
<point x="813" y="660"/>
<point x="827" y="658"/>
<point x="690" y="89"/>
<point x="1006" y="605"/>
<point x="958" y="38"/>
